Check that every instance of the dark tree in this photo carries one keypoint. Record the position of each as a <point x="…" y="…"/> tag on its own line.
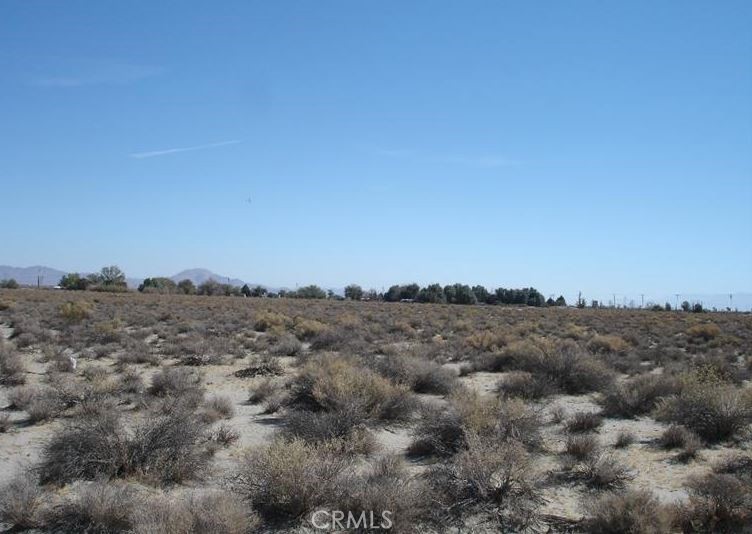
<point x="187" y="287"/>
<point x="354" y="292"/>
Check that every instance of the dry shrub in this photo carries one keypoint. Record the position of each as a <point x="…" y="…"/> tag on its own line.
<point x="489" y="478"/>
<point x="5" y="423"/>
<point x="717" y="503"/>
<point x="131" y="381"/>
<point x="581" y="447"/>
<point x="703" y="332"/>
<point x="132" y="357"/>
<point x="607" y="344"/>
<point x="624" y="439"/>
<point x="74" y="312"/>
<point x="388" y="486"/>
<point x="287" y="345"/>
<point x="20" y="499"/>
<point x="218" y="407"/>
<point x="289" y="479"/>
<point x="584" y="422"/>
<point x="12" y="366"/>
<point x="224" y="435"/>
<point x="637" y="396"/>
<point x="525" y="386"/>
<point x="98" y="507"/>
<point x="306" y="329"/>
<point x="198" y="513"/>
<point x="420" y="375"/>
<point x="712" y="408"/>
<point x="41" y="403"/>
<point x="603" y="471"/>
<point x="487" y="340"/>
<point x="162" y="450"/>
<point x="443" y="432"/>
<point x="268" y="320"/>
<point x="345" y="429"/>
<point x="630" y="512"/>
<point x="330" y="383"/>
<point x="178" y="382"/>
<point x="561" y="363"/>
<point x="265" y="365"/>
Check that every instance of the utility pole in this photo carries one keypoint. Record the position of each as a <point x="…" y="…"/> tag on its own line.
<point x="676" y="306"/>
<point x="614" y="299"/>
<point x="731" y="302"/>
<point x="642" y="300"/>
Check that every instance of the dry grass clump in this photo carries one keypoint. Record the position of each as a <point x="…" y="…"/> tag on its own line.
<point x="99" y="506"/>
<point x="20" y="501"/>
<point x="443" y="432"/>
<point x="703" y="332"/>
<point x="224" y="435"/>
<point x="41" y="403"/>
<point x="487" y="340"/>
<point x="710" y="407"/>
<point x="584" y="422"/>
<point x="637" y="396"/>
<point x="334" y="384"/>
<point x="179" y="383"/>
<point x="160" y="450"/>
<point x="346" y="429"/>
<point x="307" y="329"/>
<point x="198" y="513"/>
<point x="268" y="320"/>
<point x="418" y="374"/>
<point x="624" y="439"/>
<point x="218" y="407"/>
<point x="628" y="512"/>
<point x="289" y="479"/>
<point x="718" y="502"/>
<point x="287" y="345"/>
<point x="561" y="363"/>
<point x="525" y="386"/>
<point x="12" y="368"/>
<point x="607" y="344"/>
<point x="602" y="471"/>
<point x="494" y="479"/>
<point x="581" y="447"/>
<point x="73" y="312"/>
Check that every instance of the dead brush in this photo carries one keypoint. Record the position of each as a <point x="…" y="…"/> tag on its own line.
<point x="634" y="511"/>
<point x="266" y="365"/>
<point x="583" y="422"/>
<point x="20" y="501"/>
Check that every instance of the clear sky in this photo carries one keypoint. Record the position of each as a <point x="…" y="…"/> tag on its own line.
<point x="601" y="146"/>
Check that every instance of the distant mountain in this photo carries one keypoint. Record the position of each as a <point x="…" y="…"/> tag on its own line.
<point x="27" y="276"/>
<point x="199" y="276"/>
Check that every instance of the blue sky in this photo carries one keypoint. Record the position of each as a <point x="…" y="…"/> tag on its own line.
<point x="601" y="146"/>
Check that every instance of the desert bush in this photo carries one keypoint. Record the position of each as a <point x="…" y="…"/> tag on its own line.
<point x="563" y="364"/>
<point x="309" y="328"/>
<point x="603" y="471"/>
<point x="265" y="365"/>
<point x="387" y="485"/>
<point x="224" y="435"/>
<point x="584" y="422"/>
<point x="41" y="403"/>
<point x="161" y="450"/>
<point x="219" y="407"/>
<point x="581" y="446"/>
<point x="525" y="386"/>
<point x="336" y="384"/>
<point x="607" y="344"/>
<point x="345" y="427"/>
<point x="487" y="340"/>
<point x="179" y="382"/>
<point x="131" y="382"/>
<point x="630" y="512"/>
<point x="133" y="357"/>
<point x="289" y="479"/>
<point x="20" y="500"/>
<point x="98" y="507"/>
<point x="717" y="503"/>
<point x="624" y="439"/>
<point x="439" y="432"/>
<point x="198" y="513"/>
<point x="12" y="366"/>
<point x="74" y="312"/>
<point x="637" y="396"/>
<point x="710" y="407"/>
<point x="420" y="375"/>
<point x="488" y="478"/>
<point x="5" y="423"/>
<point x="703" y="332"/>
<point x="287" y="345"/>
<point x="268" y="320"/>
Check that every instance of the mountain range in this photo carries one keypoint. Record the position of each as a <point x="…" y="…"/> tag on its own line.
<point x="48" y="276"/>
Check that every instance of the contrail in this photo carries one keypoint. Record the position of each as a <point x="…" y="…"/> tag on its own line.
<point x="155" y="153"/>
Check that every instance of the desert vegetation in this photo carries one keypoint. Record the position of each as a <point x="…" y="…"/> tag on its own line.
<point x="165" y="410"/>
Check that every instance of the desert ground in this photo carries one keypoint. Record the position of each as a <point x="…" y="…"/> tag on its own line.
<point x="167" y="413"/>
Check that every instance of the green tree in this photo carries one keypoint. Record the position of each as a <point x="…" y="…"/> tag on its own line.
<point x="158" y="285"/>
<point x="187" y="287"/>
<point x="9" y="283"/>
<point x="245" y="290"/>
<point x="432" y="293"/>
<point x="354" y="292"/>
<point x="74" y="281"/>
<point x="561" y="301"/>
<point x="310" y="292"/>
<point x="258" y="291"/>
<point x="481" y="293"/>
